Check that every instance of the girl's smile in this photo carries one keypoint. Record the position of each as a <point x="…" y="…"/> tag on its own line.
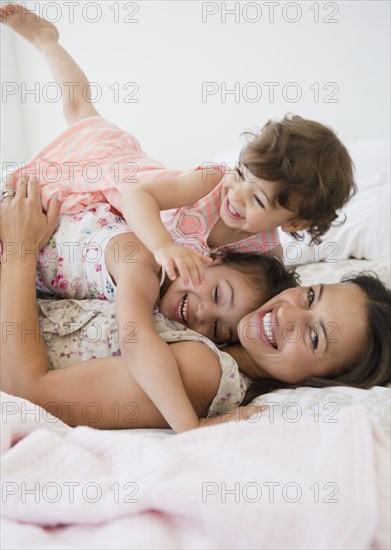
<point x="213" y="308"/>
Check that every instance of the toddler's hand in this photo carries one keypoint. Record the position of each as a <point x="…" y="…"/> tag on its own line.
<point x="180" y="260"/>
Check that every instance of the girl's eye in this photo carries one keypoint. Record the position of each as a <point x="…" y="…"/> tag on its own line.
<point x="216" y="295"/>
<point x="311" y="296"/>
<point x="258" y="201"/>
<point x="314" y="338"/>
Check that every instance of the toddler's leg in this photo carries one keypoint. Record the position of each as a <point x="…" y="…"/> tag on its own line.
<point x="44" y="36"/>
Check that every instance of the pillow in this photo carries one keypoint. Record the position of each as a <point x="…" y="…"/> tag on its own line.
<point x="366" y="231"/>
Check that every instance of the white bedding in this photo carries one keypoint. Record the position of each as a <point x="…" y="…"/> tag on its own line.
<point x="328" y="439"/>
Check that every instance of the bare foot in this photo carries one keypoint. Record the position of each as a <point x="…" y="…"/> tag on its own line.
<point x="33" y="28"/>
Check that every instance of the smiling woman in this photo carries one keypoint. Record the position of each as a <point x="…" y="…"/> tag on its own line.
<point x="323" y="335"/>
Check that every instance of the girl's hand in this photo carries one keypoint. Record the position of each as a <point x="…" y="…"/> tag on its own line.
<point x="22" y="221"/>
<point x="182" y="261"/>
<point x="238" y="415"/>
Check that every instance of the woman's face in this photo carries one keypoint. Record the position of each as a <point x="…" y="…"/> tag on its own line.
<point x="306" y="332"/>
<point x="213" y="308"/>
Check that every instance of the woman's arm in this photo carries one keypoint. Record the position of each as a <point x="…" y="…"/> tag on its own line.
<point x="23" y="228"/>
<point x="141" y="209"/>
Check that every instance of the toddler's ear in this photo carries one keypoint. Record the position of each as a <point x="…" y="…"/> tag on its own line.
<point x="295" y="225"/>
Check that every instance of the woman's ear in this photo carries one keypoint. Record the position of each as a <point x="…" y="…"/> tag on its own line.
<point x="295" y="225"/>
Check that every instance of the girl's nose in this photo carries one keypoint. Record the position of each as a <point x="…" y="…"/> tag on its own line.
<point x="204" y="312"/>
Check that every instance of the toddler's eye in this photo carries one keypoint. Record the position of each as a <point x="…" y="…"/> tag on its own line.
<point x="239" y="173"/>
<point x="258" y="201"/>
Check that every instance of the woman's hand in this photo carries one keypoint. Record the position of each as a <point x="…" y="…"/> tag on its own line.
<point x="23" y="223"/>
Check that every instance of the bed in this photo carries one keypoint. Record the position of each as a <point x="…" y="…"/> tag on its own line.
<point x="312" y="471"/>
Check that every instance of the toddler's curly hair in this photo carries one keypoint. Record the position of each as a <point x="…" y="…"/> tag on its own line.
<point x="311" y="164"/>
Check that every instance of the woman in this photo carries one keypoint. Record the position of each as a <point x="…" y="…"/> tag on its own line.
<point x="335" y="334"/>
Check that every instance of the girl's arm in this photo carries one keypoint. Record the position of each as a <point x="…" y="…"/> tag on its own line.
<point x="141" y="209"/>
<point x="148" y="358"/>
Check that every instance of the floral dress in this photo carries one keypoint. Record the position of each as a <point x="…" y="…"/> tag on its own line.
<point x="79" y="330"/>
<point x="72" y="264"/>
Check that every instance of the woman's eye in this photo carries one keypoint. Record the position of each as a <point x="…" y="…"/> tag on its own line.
<point x="258" y="201"/>
<point x="311" y="296"/>
<point x="216" y="295"/>
<point x="239" y="173"/>
<point x="314" y="338"/>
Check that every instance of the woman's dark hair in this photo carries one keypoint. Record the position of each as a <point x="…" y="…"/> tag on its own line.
<point x="374" y="366"/>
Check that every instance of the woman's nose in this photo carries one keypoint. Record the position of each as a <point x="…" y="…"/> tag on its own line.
<point x="290" y="318"/>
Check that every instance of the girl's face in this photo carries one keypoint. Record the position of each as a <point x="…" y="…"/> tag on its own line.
<point x="213" y="308"/>
<point x="247" y="204"/>
<point x="306" y="332"/>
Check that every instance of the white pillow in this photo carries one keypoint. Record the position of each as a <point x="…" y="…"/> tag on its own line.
<point x="366" y="231"/>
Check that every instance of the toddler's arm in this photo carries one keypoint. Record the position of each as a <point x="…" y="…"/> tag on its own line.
<point x="141" y="210"/>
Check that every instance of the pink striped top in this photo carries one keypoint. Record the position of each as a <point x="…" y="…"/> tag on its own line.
<point x="93" y="159"/>
<point x="191" y="226"/>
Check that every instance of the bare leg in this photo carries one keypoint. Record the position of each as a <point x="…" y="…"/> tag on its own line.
<point x="44" y="36"/>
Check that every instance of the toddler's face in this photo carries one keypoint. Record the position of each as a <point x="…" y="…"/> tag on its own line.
<point x="248" y="203"/>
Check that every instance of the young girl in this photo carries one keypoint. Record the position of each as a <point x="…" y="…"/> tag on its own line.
<point x="295" y="174"/>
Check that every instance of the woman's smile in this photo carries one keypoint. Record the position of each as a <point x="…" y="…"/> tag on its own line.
<point x="263" y="327"/>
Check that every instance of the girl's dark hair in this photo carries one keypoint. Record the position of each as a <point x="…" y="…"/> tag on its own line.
<point x="374" y="366"/>
<point x="309" y="162"/>
<point x="267" y="275"/>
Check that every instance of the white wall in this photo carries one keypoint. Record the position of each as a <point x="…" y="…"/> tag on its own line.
<point x="170" y="52"/>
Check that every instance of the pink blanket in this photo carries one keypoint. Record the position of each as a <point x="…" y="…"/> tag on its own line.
<point x="255" y="484"/>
